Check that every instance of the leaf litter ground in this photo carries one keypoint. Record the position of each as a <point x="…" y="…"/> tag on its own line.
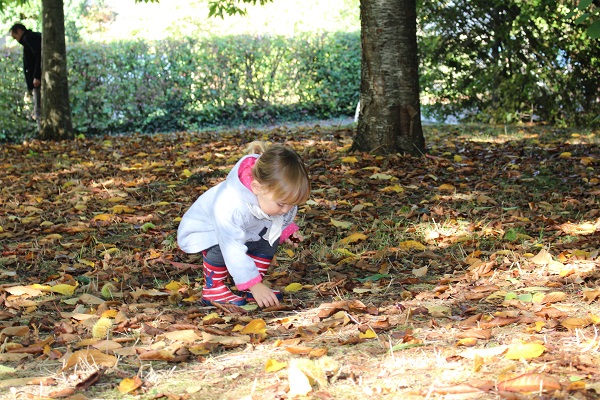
<point x="469" y="273"/>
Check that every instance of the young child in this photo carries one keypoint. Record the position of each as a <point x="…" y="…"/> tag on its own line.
<point x="238" y="224"/>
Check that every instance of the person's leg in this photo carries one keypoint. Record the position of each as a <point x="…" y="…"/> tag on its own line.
<point x="37" y="107"/>
<point x="215" y="273"/>
<point x="262" y="253"/>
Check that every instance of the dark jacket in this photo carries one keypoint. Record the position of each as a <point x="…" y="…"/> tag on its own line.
<point x="32" y="56"/>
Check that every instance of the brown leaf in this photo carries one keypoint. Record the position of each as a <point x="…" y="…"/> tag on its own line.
<point x="485" y="334"/>
<point x="590" y="295"/>
<point x="551" y="313"/>
<point x="302" y="350"/>
<point x="15" y="331"/>
<point x="57" y="394"/>
<point x="91" y="357"/>
<point x="554" y="297"/>
<point x="497" y="321"/>
<point x="532" y="382"/>
<point x="157" y="355"/>
<point x="574" y="323"/>
<point x="456" y="389"/>
<point x="90" y="380"/>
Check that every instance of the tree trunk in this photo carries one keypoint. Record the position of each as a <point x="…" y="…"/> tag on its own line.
<point x="56" y="110"/>
<point x="390" y="114"/>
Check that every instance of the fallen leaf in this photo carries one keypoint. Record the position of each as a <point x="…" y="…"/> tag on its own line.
<point x="184" y="335"/>
<point x="355" y="237"/>
<point x="412" y="245"/>
<point x="256" y="326"/>
<point x="341" y="224"/>
<point x="91" y="357"/>
<point x="298" y="382"/>
<point x="128" y="385"/>
<point x="590" y="295"/>
<point x="369" y="334"/>
<point x="274" y="365"/>
<point x="293" y="287"/>
<point x="532" y="382"/>
<point x="542" y="258"/>
<point x="554" y="297"/>
<point x="525" y="351"/>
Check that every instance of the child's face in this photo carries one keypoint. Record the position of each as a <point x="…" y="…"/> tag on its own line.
<point x="269" y="204"/>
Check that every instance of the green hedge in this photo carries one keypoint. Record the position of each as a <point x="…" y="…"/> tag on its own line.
<point x="139" y="86"/>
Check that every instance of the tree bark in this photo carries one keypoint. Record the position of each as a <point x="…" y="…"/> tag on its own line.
<point x="56" y="109"/>
<point x="390" y="114"/>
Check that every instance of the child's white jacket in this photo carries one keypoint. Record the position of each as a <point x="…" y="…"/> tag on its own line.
<point x="221" y="216"/>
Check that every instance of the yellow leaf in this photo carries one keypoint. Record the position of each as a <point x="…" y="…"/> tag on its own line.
<point x="396" y="188"/>
<point x="341" y="224"/>
<point x="256" y="326"/>
<point x="412" y="245"/>
<point x="350" y="160"/>
<point x="594" y="319"/>
<point x="128" y="385"/>
<point x="587" y="160"/>
<point x="187" y="173"/>
<point x="210" y="316"/>
<point x="112" y="250"/>
<point x="173" y="286"/>
<point x="457" y="158"/>
<point x="355" y="237"/>
<point x="467" y="342"/>
<point x="565" y="154"/>
<point x="109" y="313"/>
<point x="345" y="252"/>
<point x="369" y="334"/>
<point x="63" y="288"/>
<point x="103" y="217"/>
<point x="121" y="208"/>
<point x="289" y="252"/>
<point x="293" y="287"/>
<point x="518" y="351"/>
<point x="274" y="365"/>
<point x="446" y="187"/>
<point x="87" y="262"/>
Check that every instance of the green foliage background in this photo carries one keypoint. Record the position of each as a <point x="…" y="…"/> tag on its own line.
<point x="499" y="62"/>
<point x="188" y="84"/>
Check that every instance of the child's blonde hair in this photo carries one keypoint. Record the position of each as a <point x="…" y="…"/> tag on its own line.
<point x="281" y="171"/>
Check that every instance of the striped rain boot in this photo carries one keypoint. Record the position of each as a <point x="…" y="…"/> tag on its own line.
<point x="214" y="289"/>
<point x="263" y="265"/>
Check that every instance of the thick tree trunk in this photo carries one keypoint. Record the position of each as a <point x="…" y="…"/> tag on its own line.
<point x="390" y="115"/>
<point x="56" y="110"/>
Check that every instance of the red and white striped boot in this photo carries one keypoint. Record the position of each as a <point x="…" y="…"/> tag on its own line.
<point x="214" y="287"/>
<point x="263" y="265"/>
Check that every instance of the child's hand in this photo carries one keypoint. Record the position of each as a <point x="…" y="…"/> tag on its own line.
<point x="263" y="295"/>
<point x="294" y="239"/>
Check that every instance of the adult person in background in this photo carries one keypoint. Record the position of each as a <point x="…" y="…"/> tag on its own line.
<point x="32" y="64"/>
